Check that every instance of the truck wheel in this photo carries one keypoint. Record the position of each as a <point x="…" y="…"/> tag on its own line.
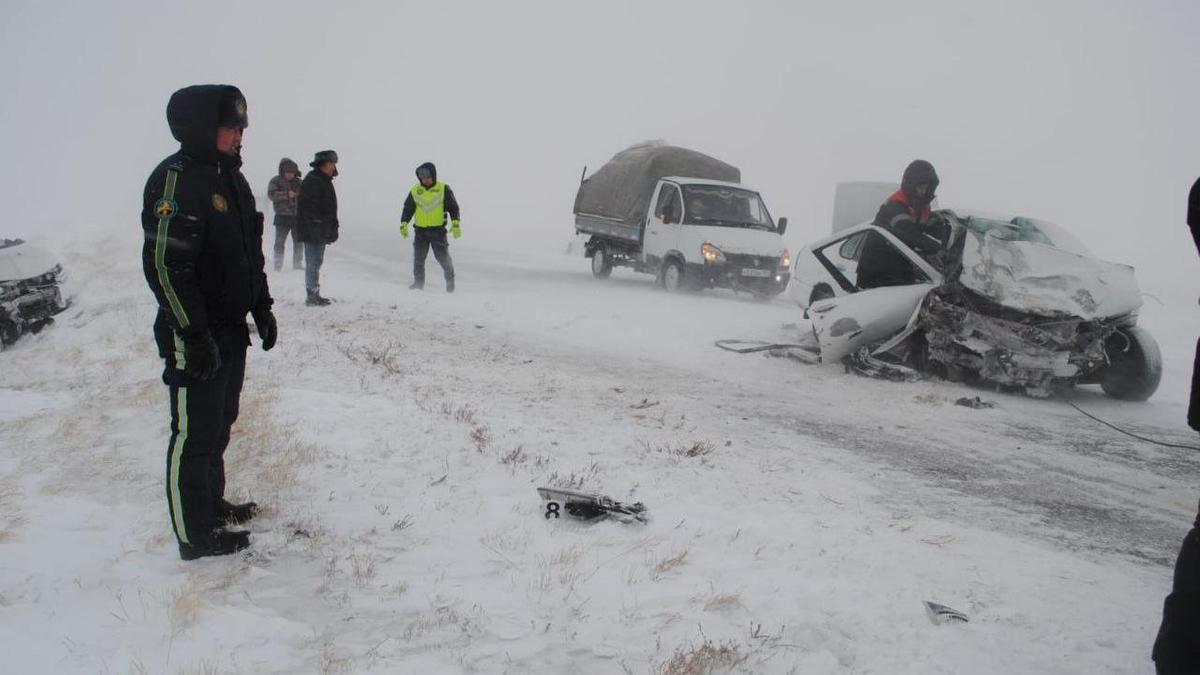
<point x="673" y="276"/>
<point x="601" y="262"/>
<point x="1134" y="365"/>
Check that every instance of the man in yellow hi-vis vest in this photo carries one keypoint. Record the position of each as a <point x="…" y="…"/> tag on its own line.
<point x="428" y="204"/>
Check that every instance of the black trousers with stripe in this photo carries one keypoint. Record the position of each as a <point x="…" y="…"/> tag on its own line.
<point x="202" y="414"/>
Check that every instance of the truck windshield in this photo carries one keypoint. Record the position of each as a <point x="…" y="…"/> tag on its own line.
<point x="724" y="206"/>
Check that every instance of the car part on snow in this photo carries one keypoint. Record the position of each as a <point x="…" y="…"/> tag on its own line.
<point x="800" y="352"/>
<point x="941" y="614"/>
<point x="861" y="362"/>
<point x="29" y="289"/>
<point x="976" y="403"/>
<point x="588" y="506"/>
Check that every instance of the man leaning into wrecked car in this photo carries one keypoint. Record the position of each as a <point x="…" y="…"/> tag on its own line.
<point x="1177" y="649"/>
<point x="204" y="262"/>
<point x="907" y="215"/>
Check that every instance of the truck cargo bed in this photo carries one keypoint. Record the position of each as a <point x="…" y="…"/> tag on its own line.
<point x="609" y="228"/>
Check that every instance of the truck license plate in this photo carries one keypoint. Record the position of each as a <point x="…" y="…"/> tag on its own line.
<point x="749" y="272"/>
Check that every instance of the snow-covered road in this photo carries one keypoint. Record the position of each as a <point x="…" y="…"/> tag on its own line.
<point x="800" y="515"/>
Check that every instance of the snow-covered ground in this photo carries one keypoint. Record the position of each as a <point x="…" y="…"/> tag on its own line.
<point x="800" y="515"/>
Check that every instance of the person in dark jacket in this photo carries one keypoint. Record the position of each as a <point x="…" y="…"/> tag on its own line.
<point x="283" y="191"/>
<point x="1177" y="648"/>
<point x="203" y="260"/>
<point x="906" y="215"/>
<point x="317" y="221"/>
<point x="431" y="203"/>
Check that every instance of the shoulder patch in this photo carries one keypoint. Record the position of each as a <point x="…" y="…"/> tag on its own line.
<point x="165" y="208"/>
<point x="219" y="203"/>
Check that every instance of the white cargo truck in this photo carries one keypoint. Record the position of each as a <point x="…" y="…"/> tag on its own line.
<point x="684" y="217"/>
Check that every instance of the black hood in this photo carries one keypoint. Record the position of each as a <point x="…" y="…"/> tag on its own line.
<point x="432" y="170"/>
<point x="918" y="172"/>
<point x="286" y="164"/>
<point x="193" y="114"/>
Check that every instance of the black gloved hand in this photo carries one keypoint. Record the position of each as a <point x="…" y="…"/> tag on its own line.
<point x="268" y="329"/>
<point x="203" y="358"/>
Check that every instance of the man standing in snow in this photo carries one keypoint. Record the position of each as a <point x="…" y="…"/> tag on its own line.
<point x="906" y="215"/>
<point x="203" y="259"/>
<point x="317" y="221"/>
<point x="282" y="191"/>
<point x="430" y="202"/>
<point x="1177" y="649"/>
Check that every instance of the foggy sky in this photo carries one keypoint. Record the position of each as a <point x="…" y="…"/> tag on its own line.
<point x="1084" y="113"/>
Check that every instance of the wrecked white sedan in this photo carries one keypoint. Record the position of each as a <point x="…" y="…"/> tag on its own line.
<point x="1016" y="303"/>
<point x="29" y="289"/>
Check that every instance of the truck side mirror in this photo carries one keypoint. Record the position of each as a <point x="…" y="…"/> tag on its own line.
<point x="782" y="225"/>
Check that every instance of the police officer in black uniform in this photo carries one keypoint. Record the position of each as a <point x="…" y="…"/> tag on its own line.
<point x="1177" y="647"/>
<point x="204" y="262"/>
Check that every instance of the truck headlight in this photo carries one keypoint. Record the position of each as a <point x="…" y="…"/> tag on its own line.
<point x="711" y="253"/>
<point x="786" y="261"/>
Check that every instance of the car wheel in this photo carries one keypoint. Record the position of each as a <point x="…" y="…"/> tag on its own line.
<point x="821" y="291"/>
<point x="601" y="263"/>
<point x="673" y="277"/>
<point x="1134" y="365"/>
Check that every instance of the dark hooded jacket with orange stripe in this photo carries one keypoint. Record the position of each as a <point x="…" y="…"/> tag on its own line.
<point x="202" y="254"/>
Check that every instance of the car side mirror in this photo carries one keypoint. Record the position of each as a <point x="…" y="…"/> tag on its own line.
<point x="782" y="225"/>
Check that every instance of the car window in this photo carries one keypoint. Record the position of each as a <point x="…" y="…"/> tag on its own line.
<point x="669" y="204"/>
<point x="840" y="258"/>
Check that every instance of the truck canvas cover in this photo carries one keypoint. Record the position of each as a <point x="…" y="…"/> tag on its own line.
<point x="621" y="189"/>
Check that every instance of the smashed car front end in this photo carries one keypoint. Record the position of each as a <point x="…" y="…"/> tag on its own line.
<point x="967" y="338"/>
<point x="1021" y="311"/>
<point x="30" y="294"/>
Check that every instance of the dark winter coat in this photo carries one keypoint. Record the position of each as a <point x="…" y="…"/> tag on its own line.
<point x="277" y="189"/>
<point x="1178" y="642"/>
<point x="202" y="255"/>
<point x="316" y="212"/>
<point x="1193" y="213"/>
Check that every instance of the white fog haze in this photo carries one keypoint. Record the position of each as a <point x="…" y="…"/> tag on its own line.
<point x="1076" y="112"/>
<point x="800" y="514"/>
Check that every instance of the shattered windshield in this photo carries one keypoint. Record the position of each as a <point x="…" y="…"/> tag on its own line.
<point x="1026" y="229"/>
<point x="724" y="206"/>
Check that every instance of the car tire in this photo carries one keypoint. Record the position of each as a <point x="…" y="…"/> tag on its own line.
<point x="674" y="278"/>
<point x="601" y="262"/>
<point x="1134" y="365"/>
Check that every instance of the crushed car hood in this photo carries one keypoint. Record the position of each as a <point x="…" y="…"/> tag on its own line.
<point x="1039" y="279"/>
<point x="25" y="261"/>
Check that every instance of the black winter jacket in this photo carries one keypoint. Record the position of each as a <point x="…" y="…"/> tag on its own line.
<point x="316" y="211"/>
<point x="202" y="255"/>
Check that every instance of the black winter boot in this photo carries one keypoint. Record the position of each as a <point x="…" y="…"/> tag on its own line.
<point x="217" y="542"/>
<point x="449" y="285"/>
<point x="416" y="286"/>
<point x="315" y="300"/>
<point x="235" y="513"/>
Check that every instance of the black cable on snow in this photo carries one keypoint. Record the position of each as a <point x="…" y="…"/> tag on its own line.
<point x="1130" y="433"/>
